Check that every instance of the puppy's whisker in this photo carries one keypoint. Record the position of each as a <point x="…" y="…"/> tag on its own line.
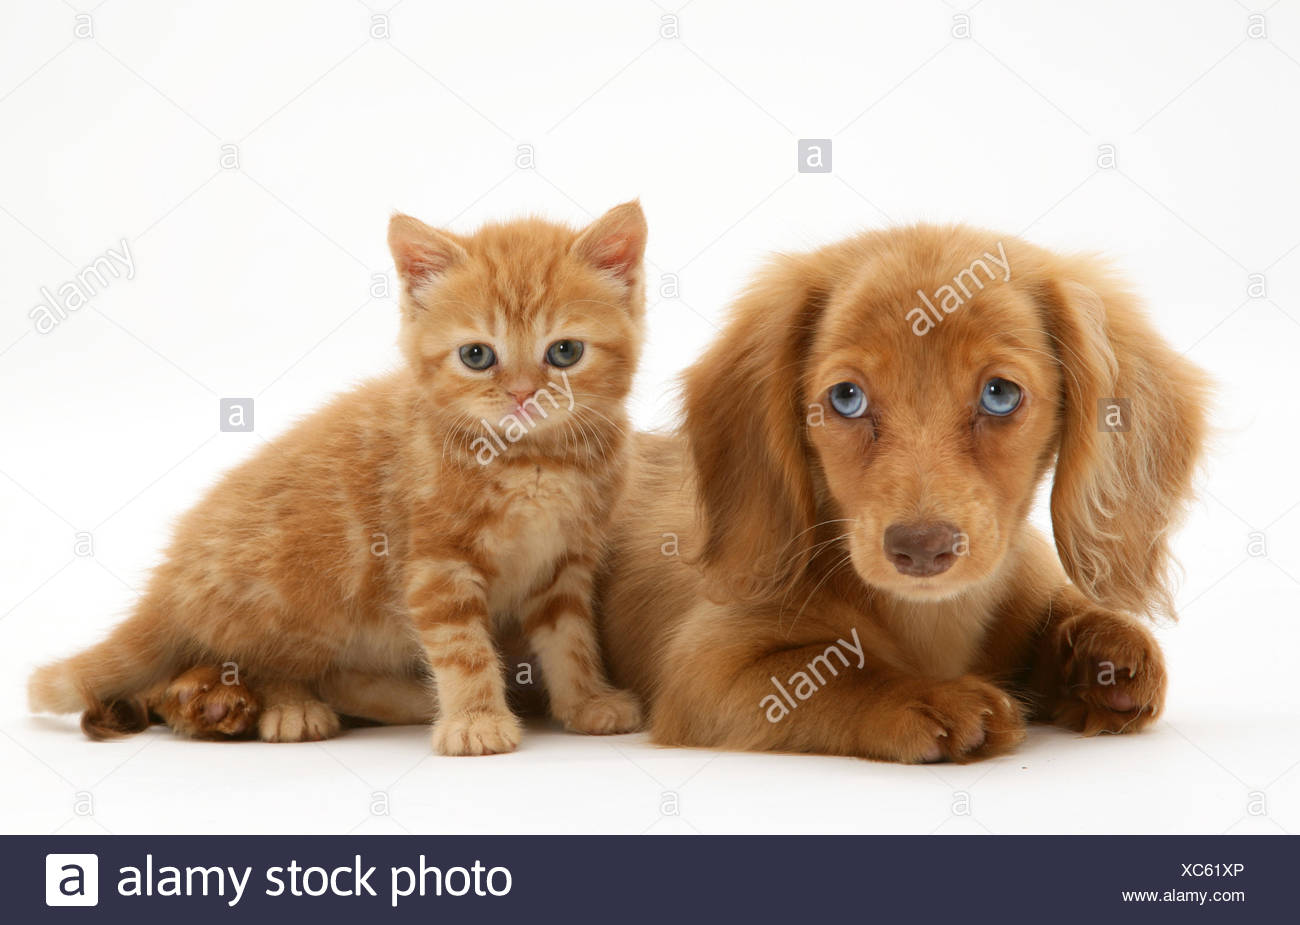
<point x="794" y="539"/>
<point x="811" y="559"/>
<point x="790" y="588"/>
<point x="831" y="571"/>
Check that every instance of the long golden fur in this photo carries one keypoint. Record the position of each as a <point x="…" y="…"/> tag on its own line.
<point x="756" y="541"/>
<point x="360" y="563"/>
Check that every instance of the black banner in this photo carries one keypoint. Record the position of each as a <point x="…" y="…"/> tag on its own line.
<point x="195" y="879"/>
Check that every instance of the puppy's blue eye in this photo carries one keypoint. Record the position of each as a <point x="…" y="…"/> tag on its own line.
<point x="848" y="400"/>
<point x="1000" y="397"/>
<point x="477" y="356"/>
<point x="564" y="353"/>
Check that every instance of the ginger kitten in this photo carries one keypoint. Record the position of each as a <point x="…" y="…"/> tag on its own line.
<point x="385" y="538"/>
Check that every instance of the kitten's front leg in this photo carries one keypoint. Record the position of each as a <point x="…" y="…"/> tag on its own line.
<point x="561" y="630"/>
<point x="447" y="602"/>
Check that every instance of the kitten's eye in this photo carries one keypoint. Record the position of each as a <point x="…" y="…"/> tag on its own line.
<point x="478" y="356"/>
<point x="1000" y="397"/>
<point x="848" y="400"/>
<point x="564" y="353"/>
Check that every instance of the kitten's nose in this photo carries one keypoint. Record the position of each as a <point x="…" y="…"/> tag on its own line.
<point x="522" y="395"/>
<point x="921" y="550"/>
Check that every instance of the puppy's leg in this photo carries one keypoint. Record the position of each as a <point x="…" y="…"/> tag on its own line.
<point x="1097" y="671"/>
<point x="725" y="684"/>
<point x="561" y="629"/>
<point x="291" y="712"/>
<point x="202" y="703"/>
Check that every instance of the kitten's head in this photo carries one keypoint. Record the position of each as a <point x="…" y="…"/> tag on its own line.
<point x="527" y="325"/>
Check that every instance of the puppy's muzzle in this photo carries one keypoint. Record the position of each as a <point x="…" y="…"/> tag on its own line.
<point x="921" y="550"/>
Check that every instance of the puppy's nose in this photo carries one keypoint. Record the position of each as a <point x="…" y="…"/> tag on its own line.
<point x="921" y="550"/>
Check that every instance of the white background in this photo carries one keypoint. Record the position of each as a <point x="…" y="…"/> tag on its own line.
<point x="256" y="282"/>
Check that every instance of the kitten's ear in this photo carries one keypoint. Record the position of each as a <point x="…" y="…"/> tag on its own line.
<point x="420" y="252"/>
<point x="615" y="242"/>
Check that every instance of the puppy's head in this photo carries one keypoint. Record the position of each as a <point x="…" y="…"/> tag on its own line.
<point x="906" y="391"/>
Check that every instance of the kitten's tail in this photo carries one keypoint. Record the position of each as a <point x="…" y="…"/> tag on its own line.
<point x="108" y="681"/>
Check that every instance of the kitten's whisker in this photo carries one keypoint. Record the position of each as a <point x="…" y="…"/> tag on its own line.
<point x="606" y="446"/>
<point x="621" y="428"/>
<point x="586" y="436"/>
<point x="457" y="428"/>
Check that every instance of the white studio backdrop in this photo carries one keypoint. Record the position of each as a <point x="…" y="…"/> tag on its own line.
<point x="245" y="157"/>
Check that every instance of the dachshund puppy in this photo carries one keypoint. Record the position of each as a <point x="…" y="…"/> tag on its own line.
<point x="834" y="554"/>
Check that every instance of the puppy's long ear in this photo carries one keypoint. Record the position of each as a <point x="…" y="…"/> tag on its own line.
<point x="1132" y="430"/>
<point x="745" y="424"/>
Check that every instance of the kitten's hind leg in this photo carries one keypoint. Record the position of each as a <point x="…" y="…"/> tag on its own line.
<point x="391" y="699"/>
<point x="291" y="712"/>
<point x="204" y="703"/>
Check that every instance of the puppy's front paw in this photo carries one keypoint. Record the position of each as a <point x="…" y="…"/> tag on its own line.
<point x="201" y="705"/>
<point x="476" y="734"/>
<point x="962" y="720"/>
<point x="1113" y="674"/>
<point x="299" y="721"/>
<point x="607" y="713"/>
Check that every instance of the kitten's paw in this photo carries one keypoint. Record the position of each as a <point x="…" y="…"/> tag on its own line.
<point x="201" y="705"/>
<point x="1114" y="674"/>
<point x="476" y="734"/>
<point x="301" y="721"/>
<point x="607" y="713"/>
